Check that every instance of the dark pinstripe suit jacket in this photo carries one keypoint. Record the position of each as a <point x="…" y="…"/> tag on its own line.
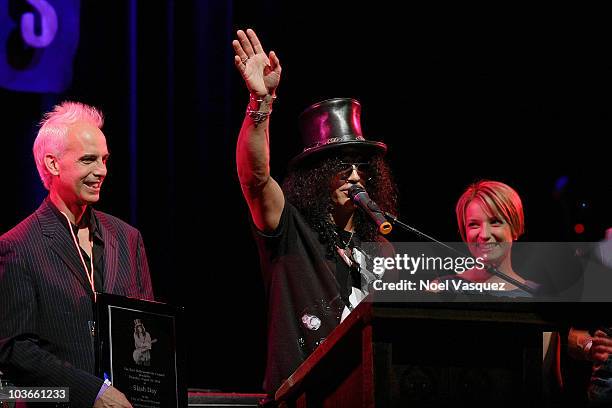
<point x="46" y="302"/>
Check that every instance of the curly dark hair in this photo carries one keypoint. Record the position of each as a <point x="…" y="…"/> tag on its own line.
<point x="307" y="188"/>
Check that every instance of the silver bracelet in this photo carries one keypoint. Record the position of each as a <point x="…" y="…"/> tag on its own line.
<point x="260" y="107"/>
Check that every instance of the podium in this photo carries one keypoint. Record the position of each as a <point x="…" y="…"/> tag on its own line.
<point x="427" y="355"/>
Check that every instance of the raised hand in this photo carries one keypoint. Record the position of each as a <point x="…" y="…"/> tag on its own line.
<point x="260" y="72"/>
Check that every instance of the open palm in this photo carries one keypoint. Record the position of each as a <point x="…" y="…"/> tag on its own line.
<point x="260" y="72"/>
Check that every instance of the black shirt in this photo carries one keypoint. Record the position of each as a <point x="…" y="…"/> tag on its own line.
<point x="89" y="219"/>
<point x="347" y="276"/>
<point x="306" y="291"/>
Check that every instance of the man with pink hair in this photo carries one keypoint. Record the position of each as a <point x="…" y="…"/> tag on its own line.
<point x="53" y="263"/>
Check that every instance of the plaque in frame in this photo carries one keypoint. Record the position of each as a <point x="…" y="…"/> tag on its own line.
<point x="139" y="349"/>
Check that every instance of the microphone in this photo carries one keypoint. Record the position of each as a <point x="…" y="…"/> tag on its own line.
<point x="363" y="200"/>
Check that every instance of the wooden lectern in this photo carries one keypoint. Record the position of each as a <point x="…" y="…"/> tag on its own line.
<point x="427" y="355"/>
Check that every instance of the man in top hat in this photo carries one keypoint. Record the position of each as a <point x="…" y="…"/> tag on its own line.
<point x="308" y="231"/>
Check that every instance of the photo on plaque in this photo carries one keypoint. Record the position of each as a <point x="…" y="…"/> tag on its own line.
<point x="138" y="349"/>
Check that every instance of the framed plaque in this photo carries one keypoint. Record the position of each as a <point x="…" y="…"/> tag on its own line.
<point x="139" y="349"/>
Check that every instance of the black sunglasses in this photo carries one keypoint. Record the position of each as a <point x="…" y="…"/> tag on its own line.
<point x="346" y="169"/>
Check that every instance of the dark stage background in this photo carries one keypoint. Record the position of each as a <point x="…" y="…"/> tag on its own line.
<point x="519" y="95"/>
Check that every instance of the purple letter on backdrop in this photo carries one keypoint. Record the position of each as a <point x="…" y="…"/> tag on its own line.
<point x="38" y="40"/>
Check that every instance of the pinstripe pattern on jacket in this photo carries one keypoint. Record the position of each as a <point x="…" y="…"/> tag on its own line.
<point x="46" y="302"/>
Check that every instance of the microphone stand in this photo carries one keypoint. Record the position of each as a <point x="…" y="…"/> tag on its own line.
<point x="491" y="269"/>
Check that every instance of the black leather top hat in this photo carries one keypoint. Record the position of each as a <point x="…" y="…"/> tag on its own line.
<point x="334" y="125"/>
